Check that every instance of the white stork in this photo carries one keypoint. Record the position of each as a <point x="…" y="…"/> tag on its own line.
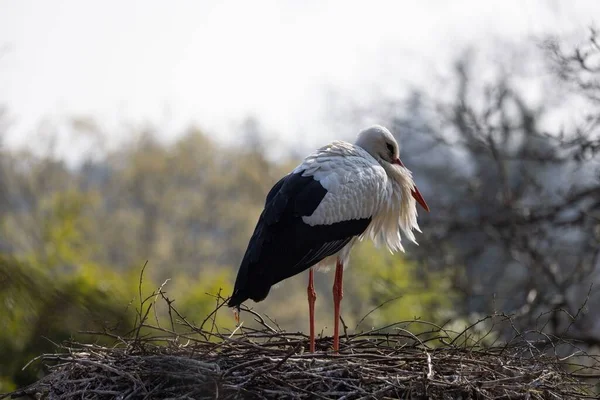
<point x="313" y="216"/>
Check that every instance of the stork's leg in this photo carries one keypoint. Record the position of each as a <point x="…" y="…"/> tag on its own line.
<point x="312" y="296"/>
<point x="338" y="293"/>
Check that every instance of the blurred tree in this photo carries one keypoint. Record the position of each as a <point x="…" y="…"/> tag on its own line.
<point x="412" y="292"/>
<point x="515" y="203"/>
<point x="59" y="225"/>
<point x="184" y="207"/>
<point x="41" y="309"/>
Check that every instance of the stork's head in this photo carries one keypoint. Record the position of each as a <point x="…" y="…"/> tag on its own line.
<point x="379" y="142"/>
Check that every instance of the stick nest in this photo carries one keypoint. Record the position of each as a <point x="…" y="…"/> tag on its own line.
<point x="189" y="362"/>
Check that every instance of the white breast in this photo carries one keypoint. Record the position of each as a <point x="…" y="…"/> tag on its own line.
<point x="357" y="185"/>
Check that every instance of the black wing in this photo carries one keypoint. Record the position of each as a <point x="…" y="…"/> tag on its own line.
<point x="282" y="244"/>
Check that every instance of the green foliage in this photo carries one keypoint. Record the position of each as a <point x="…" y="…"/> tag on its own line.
<point x="41" y="309"/>
<point x="381" y="277"/>
<point x="199" y="297"/>
<point x="64" y="230"/>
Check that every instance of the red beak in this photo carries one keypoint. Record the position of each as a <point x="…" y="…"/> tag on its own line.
<point x="416" y="194"/>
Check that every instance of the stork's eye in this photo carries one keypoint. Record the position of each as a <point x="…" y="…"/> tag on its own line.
<point x="390" y="148"/>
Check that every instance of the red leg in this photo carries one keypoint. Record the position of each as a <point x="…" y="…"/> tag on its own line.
<point x="338" y="294"/>
<point x="312" y="296"/>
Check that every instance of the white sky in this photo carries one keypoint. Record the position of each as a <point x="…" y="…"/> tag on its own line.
<point x="215" y="62"/>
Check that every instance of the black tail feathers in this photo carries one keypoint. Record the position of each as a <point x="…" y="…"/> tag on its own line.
<point x="253" y="292"/>
<point x="236" y="299"/>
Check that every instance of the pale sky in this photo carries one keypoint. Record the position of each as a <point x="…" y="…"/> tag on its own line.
<point x="216" y="62"/>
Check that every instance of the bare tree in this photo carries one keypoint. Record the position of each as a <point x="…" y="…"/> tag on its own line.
<point x="515" y="190"/>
